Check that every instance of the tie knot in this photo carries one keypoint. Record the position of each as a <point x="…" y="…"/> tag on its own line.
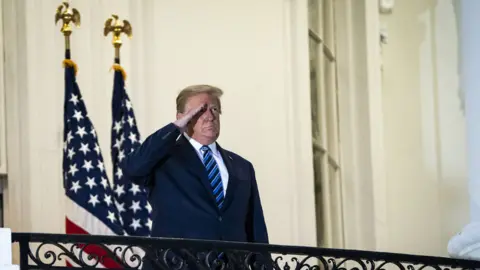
<point x="205" y="149"/>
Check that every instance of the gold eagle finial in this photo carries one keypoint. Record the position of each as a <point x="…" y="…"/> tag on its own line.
<point x="68" y="15"/>
<point x="114" y="25"/>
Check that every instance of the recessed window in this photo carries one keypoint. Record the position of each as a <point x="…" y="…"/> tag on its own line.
<point x="325" y="126"/>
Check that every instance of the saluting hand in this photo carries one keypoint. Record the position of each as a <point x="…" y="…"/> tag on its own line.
<point x="183" y="121"/>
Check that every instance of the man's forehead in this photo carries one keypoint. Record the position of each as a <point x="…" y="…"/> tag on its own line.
<point x="202" y="99"/>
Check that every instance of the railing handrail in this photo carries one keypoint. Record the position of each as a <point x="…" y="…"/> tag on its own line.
<point x="22" y="237"/>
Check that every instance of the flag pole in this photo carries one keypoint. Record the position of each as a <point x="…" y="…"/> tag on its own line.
<point x="125" y="138"/>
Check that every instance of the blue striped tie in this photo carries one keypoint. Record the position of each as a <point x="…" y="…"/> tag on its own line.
<point x="213" y="175"/>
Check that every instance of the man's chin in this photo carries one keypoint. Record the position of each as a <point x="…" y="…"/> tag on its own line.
<point x="212" y="135"/>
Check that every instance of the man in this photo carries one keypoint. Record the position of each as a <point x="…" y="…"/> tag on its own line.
<point x="197" y="189"/>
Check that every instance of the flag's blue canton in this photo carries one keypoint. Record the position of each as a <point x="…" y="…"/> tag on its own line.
<point x="131" y="199"/>
<point x="85" y="180"/>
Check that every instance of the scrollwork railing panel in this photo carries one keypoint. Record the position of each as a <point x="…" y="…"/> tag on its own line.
<point x="50" y="251"/>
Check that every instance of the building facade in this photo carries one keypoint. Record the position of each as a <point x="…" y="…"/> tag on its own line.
<point x="350" y="111"/>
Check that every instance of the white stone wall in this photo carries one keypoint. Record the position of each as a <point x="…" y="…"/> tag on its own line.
<point x="424" y="123"/>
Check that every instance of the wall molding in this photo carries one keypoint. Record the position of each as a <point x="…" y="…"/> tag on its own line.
<point x="297" y="109"/>
<point x="17" y="192"/>
<point x="16" y="189"/>
<point x="3" y="118"/>
<point x="348" y="132"/>
<point x="376" y="127"/>
<point x="361" y="129"/>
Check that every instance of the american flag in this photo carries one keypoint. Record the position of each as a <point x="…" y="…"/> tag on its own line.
<point x="90" y="198"/>
<point x="131" y="199"/>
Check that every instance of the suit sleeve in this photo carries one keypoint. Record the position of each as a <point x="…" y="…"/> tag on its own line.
<point x="256" y="227"/>
<point x="139" y="164"/>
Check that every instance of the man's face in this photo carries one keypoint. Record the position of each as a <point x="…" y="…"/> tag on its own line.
<point x="205" y="126"/>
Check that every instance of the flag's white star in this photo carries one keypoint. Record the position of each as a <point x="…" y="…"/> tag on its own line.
<point x="148" y="207"/>
<point x="87" y="165"/>
<point x="132" y="137"/>
<point x="119" y="173"/>
<point x="73" y="169"/>
<point x="130" y="121"/>
<point x="81" y="132"/>
<point x="97" y="149"/>
<point x="75" y="186"/>
<point x="69" y="136"/>
<point x="120" y="206"/>
<point x="93" y="200"/>
<point x="149" y="224"/>
<point x="94" y="134"/>
<point x="100" y="166"/>
<point x="111" y="216"/>
<point x="135" y="206"/>
<point x="84" y="148"/>
<point x="118" y="143"/>
<point x="128" y="105"/>
<point x="108" y="199"/>
<point x="104" y="183"/>
<point x="71" y="153"/>
<point x="78" y="115"/>
<point x="121" y="155"/>
<point x="135" y="224"/>
<point x="117" y="126"/>
<point x="119" y="190"/>
<point x="134" y="189"/>
<point x="91" y="182"/>
<point x="74" y="99"/>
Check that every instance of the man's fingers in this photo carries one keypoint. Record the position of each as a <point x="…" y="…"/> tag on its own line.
<point x="199" y="109"/>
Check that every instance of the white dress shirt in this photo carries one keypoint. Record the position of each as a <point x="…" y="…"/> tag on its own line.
<point x="216" y="155"/>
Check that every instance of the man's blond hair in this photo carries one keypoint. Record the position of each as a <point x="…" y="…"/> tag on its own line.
<point x="194" y="90"/>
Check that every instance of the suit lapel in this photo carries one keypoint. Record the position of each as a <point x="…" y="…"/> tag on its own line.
<point x="193" y="164"/>
<point x="232" y="176"/>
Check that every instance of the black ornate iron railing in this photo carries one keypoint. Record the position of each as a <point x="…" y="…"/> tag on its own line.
<point x="60" y="251"/>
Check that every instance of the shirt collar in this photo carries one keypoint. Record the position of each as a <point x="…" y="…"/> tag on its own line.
<point x="197" y="145"/>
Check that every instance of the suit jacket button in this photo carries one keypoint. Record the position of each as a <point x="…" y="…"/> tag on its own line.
<point x="220" y="219"/>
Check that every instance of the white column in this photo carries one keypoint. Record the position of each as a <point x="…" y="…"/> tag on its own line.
<point x="6" y="250"/>
<point x="466" y="244"/>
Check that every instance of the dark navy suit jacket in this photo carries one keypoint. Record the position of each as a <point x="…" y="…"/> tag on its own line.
<point x="183" y="205"/>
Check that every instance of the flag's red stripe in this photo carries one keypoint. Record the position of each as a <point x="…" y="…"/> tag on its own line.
<point x="72" y="228"/>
